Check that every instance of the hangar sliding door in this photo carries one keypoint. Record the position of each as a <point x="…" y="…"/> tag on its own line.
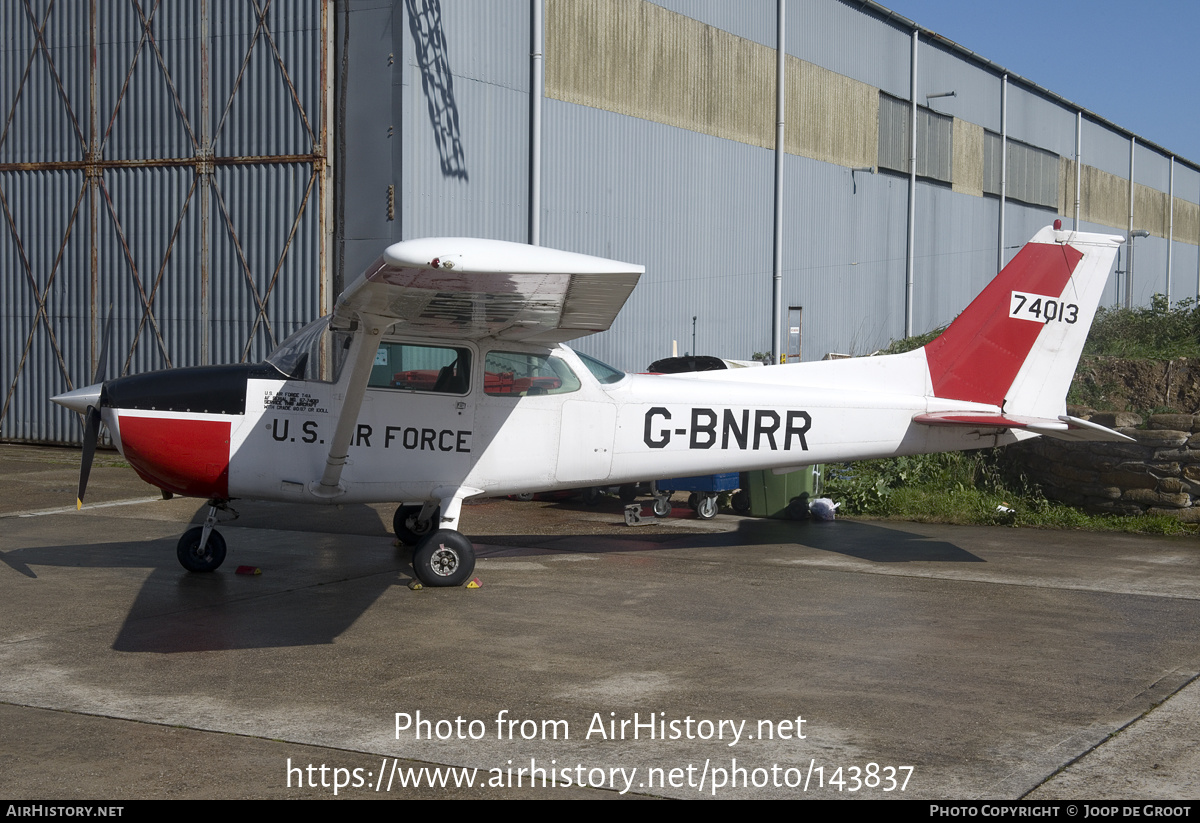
<point x="166" y="158"/>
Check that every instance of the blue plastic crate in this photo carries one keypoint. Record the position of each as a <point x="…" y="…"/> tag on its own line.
<point x="725" y="482"/>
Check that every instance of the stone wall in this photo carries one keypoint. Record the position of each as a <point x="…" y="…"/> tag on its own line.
<point x="1159" y="474"/>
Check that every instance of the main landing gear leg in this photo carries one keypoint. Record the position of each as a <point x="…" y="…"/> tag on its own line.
<point x="445" y="557"/>
<point x="202" y="548"/>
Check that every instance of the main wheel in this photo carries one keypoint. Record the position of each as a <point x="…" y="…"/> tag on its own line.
<point x="409" y="530"/>
<point x="706" y="508"/>
<point x="591" y="496"/>
<point x="693" y="500"/>
<point x="444" y="558"/>
<point x="196" y="559"/>
<point x="628" y="493"/>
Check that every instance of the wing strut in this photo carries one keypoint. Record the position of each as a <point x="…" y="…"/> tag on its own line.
<point x="367" y="343"/>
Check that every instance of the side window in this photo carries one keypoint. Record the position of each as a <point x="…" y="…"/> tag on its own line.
<point x="516" y="374"/>
<point x="603" y="372"/>
<point x="421" y="368"/>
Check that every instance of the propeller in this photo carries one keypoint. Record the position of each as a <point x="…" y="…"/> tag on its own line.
<point x="88" y="401"/>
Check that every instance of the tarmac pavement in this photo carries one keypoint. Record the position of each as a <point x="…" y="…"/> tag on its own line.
<point x="917" y="661"/>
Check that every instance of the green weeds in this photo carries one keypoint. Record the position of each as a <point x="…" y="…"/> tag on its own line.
<point x="981" y="488"/>
<point x="1156" y="332"/>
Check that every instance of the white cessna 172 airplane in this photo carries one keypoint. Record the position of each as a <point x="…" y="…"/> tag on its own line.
<point x="440" y="376"/>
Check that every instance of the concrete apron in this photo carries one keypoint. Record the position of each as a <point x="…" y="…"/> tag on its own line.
<point x="985" y="659"/>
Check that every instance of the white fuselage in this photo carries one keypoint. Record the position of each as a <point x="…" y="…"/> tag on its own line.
<point x="408" y="444"/>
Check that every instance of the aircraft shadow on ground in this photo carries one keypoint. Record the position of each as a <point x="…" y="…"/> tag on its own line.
<point x="866" y="541"/>
<point x="177" y="611"/>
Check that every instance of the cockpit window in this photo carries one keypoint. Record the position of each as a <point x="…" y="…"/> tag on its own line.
<point x="316" y="352"/>
<point x="421" y="368"/>
<point x="517" y="374"/>
<point x="601" y="371"/>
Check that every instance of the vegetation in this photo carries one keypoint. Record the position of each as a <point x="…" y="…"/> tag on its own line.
<point x="968" y="488"/>
<point x="1156" y="332"/>
<point x="909" y="343"/>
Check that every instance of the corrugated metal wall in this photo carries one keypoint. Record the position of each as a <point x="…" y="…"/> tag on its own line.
<point x="1104" y="149"/>
<point x="695" y="209"/>
<point x="935" y="140"/>
<point x="843" y="254"/>
<point x="955" y="255"/>
<point x="463" y="117"/>
<point x="976" y="92"/>
<point x="1036" y="119"/>
<point x="846" y="38"/>
<point x="1151" y="168"/>
<point x="167" y="159"/>
<point x="749" y="19"/>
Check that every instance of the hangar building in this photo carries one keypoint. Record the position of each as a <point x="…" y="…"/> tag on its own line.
<point x="216" y="171"/>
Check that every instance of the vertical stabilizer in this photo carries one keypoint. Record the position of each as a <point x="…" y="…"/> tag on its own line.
<point x="1018" y="343"/>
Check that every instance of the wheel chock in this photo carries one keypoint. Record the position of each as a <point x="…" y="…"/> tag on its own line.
<point x="635" y="517"/>
<point x="475" y="583"/>
<point x="415" y="585"/>
<point x="248" y="570"/>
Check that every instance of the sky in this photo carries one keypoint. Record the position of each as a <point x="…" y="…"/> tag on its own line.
<point x="1135" y="64"/>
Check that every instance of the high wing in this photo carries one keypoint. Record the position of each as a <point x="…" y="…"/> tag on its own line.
<point x="463" y="288"/>
<point x="469" y="288"/>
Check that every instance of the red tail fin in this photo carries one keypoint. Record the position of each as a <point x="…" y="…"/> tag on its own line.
<point x="977" y="359"/>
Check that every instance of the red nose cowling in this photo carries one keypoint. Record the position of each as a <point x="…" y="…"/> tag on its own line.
<point x="188" y="457"/>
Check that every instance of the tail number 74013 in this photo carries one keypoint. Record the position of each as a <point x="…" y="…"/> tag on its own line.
<point x="1042" y="309"/>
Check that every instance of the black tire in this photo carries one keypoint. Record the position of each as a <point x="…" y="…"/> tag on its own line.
<point x="408" y="529"/>
<point x="693" y="500"/>
<point x="662" y="506"/>
<point x="591" y="496"/>
<point x="192" y="558"/>
<point x="444" y="558"/>
<point x="526" y="497"/>
<point x="740" y="502"/>
<point x="628" y="493"/>
<point x="706" y="507"/>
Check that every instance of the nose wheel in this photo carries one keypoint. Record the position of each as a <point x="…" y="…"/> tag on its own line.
<point x="202" y="548"/>
<point x="201" y="557"/>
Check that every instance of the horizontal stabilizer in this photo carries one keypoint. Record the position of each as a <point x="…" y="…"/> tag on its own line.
<point x="1063" y="428"/>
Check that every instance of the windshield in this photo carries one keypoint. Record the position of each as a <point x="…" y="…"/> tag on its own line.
<point x="316" y="352"/>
